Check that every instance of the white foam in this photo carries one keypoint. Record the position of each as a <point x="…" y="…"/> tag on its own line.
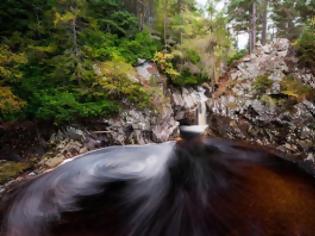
<point x="198" y="129"/>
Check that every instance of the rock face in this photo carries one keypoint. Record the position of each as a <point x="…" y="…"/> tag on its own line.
<point x="266" y="99"/>
<point x="263" y="99"/>
<point x="186" y="102"/>
<point x="132" y="126"/>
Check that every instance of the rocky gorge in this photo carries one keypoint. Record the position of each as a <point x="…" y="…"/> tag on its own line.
<point x="267" y="99"/>
<point x="264" y="98"/>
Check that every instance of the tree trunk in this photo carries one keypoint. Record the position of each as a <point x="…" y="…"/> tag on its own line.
<point x="253" y="28"/>
<point x="250" y="38"/>
<point x="75" y="37"/>
<point x="264" y="22"/>
<point x="180" y="10"/>
<point x="140" y="13"/>
<point x="180" y="6"/>
<point x="76" y="50"/>
<point x="165" y="3"/>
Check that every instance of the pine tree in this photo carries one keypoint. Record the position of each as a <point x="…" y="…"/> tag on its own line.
<point x="286" y="18"/>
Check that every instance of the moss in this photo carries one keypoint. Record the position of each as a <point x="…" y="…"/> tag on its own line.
<point x="262" y="84"/>
<point x="269" y="101"/>
<point x="9" y="170"/>
<point x="296" y="89"/>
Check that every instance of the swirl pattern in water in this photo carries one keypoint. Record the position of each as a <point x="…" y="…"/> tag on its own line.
<point x="197" y="187"/>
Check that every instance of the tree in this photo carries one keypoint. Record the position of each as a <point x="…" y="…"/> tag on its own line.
<point x="253" y="27"/>
<point x="62" y="42"/>
<point x="243" y="15"/>
<point x="10" y="74"/>
<point x="249" y="16"/>
<point x="286" y="18"/>
<point x="264" y="21"/>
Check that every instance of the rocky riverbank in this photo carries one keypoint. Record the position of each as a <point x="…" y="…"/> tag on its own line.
<point x="47" y="148"/>
<point x="264" y="98"/>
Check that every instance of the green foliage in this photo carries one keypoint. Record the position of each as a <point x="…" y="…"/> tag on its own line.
<point x="10" y="105"/>
<point x="211" y="47"/>
<point x="236" y="56"/>
<point x="292" y="91"/>
<point x="52" y="72"/>
<point x="188" y="79"/>
<point x="142" y="46"/>
<point x="270" y="101"/>
<point x="10" y="75"/>
<point x="192" y="56"/>
<point x="164" y="62"/>
<point x="10" y="64"/>
<point x="116" y="79"/>
<point x="61" y="107"/>
<point x="113" y="17"/>
<point x="296" y="89"/>
<point x="286" y="17"/>
<point x="105" y="46"/>
<point x="262" y="84"/>
<point x="305" y="47"/>
<point x="9" y="170"/>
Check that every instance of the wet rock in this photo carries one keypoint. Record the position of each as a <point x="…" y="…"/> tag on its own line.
<point x="133" y="126"/>
<point x="68" y="132"/>
<point x="53" y="162"/>
<point x="185" y="102"/>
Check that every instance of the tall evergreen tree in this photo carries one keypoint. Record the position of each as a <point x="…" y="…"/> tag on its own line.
<point x="286" y="18"/>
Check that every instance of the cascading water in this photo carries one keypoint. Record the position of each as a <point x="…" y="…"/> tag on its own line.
<point x="201" y="126"/>
<point x="202" y="108"/>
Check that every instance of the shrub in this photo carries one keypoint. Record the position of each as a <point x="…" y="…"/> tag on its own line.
<point x="296" y="89"/>
<point x="188" y="79"/>
<point x="10" y="64"/>
<point x="142" y="46"/>
<point x="104" y="46"/>
<point x="99" y="45"/>
<point x="262" y="84"/>
<point x="115" y="77"/>
<point x="10" y="104"/>
<point x="192" y="56"/>
<point x="305" y="47"/>
<point x="270" y="101"/>
<point x="164" y="62"/>
<point x="236" y="56"/>
<point x="64" y="106"/>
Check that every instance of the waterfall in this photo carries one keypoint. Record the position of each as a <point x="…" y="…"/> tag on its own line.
<point x="201" y="115"/>
<point x="202" y="108"/>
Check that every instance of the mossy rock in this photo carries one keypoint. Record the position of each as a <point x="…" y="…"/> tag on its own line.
<point x="296" y="89"/>
<point x="10" y="170"/>
<point x="262" y="84"/>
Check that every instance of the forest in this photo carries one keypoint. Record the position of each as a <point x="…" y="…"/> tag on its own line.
<point x="157" y="117"/>
<point x="51" y="50"/>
